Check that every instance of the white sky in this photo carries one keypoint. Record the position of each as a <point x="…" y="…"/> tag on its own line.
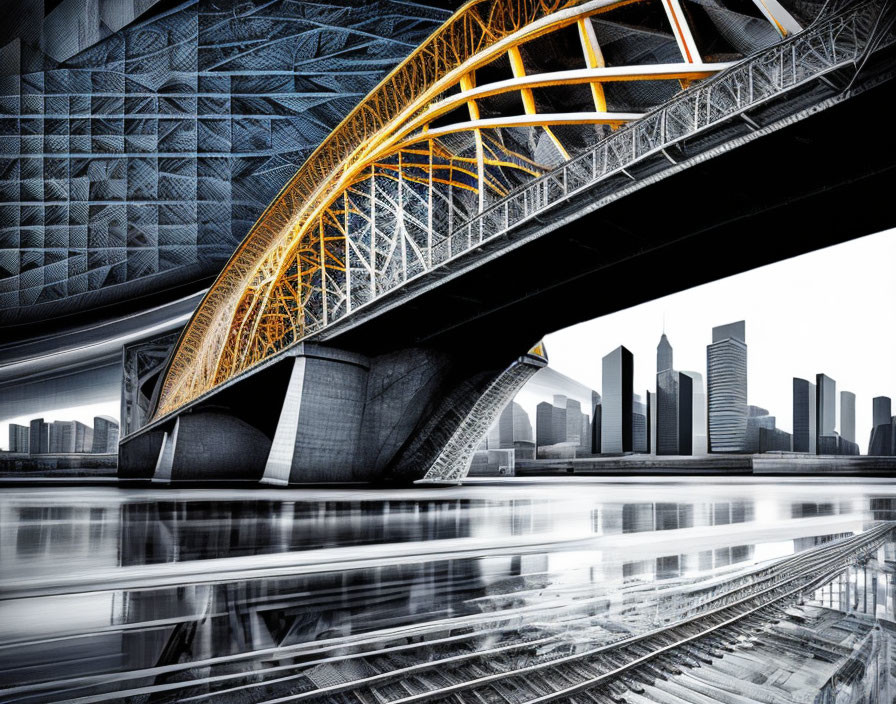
<point x="830" y="311"/>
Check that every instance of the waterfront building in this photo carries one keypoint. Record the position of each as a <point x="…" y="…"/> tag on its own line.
<point x="804" y="428"/>
<point x="105" y="434"/>
<point x="585" y="437"/>
<point x="685" y="414"/>
<point x="616" y="416"/>
<point x="573" y="421"/>
<point x="62" y="436"/>
<point x="774" y="440"/>
<point x="882" y="442"/>
<point x="667" y="392"/>
<point x="698" y="414"/>
<point x="758" y="419"/>
<point x="848" y="416"/>
<point x="825" y="405"/>
<point x="639" y="425"/>
<point x="726" y="388"/>
<point x="39" y="436"/>
<point x="18" y="438"/>
<point x="651" y="422"/>
<point x="544" y="424"/>
<point x="559" y="414"/>
<point x="881" y="411"/>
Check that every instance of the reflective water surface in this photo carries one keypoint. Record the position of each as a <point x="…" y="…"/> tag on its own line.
<point x="95" y="581"/>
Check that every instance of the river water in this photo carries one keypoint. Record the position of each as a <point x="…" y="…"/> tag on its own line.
<point x="98" y="580"/>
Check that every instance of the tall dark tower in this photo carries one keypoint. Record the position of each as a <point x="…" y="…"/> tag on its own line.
<point x="663" y="354"/>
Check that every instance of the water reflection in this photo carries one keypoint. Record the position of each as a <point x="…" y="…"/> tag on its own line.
<point x="367" y="565"/>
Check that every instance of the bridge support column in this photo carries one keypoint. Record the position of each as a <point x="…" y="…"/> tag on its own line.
<point x="324" y="415"/>
<point x="318" y="433"/>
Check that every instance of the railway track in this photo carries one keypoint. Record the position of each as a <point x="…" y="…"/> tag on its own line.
<point x="524" y="663"/>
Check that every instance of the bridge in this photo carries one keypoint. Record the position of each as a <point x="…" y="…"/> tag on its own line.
<point x="530" y="166"/>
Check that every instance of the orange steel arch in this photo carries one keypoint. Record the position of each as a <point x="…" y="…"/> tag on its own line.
<point x="425" y="150"/>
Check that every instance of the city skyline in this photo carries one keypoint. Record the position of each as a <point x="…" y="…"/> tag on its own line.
<point x="794" y="317"/>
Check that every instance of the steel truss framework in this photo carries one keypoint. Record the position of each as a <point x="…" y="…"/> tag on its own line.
<point x="465" y="139"/>
<point x="453" y="463"/>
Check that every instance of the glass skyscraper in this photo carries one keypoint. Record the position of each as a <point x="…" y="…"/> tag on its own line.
<point x="804" y="438"/>
<point x="825" y="405"/>
<point x="726" y="388"/>
<point x="848" y="415"/>
<point x="616" y="415"/>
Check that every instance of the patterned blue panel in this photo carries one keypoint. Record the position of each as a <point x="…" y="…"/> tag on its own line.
<point x="145" y="159"/>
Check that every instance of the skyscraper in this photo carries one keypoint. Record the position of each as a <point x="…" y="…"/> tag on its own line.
<point x="639" y="425"/>
<point x="667" y="391"/>
<point x="544" y="424"/>
<point x="105" y="434"/>
<point x="685" y="414"/>
<point x="825" y="405"/>
<point x="18" y="438"/>
<point x="595" y="423"/>
<point x="585" y="437"/>
<point x="618" y="390"/>
<point x="39" y="437"/>
<point x="559" y="431"/>
<point x="62" y="436"/>
<point x="883" y="428"/>
<point x="804" y="429"/>
<point x="726" y="388"/>
<point x="880" y="410"/>
<point x="651" y="422"/>
<point x="848" y="416"/>
<point x="83" y="437"/>
<point x="698" y="414"/>
<point x="663" y="354"/>
<point x="573" y="421"/>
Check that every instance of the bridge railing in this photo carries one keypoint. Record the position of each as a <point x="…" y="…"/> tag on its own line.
<point x="827" y="45"/>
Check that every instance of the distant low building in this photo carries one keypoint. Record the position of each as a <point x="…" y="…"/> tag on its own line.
<point x="836" y="445"/>
<point x="560" y="451"/>
<point x="492" y="463"/>
<point x="62" y="437"/>
<point x="105" y="435"/>
<point x="883" y="439"/>
<point x="757" y="419"/>
<point x="774" y="440"/>
<point x="882" y="442"/>
<point x="39" y="437"/>
<point x="523" y="450"/>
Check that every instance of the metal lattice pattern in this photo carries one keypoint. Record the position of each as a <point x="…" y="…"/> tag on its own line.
<point x="461" y="142"/>
<point x="453" y="462"/>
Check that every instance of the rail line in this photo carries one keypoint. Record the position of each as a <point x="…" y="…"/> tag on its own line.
<point x="725" y="611"/>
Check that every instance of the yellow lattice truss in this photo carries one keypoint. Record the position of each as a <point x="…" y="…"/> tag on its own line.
<point x="503" y="92"/>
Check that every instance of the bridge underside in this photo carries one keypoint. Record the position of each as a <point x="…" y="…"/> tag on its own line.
<point x="378" y="395"/>
<point x="817" y="182"/>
